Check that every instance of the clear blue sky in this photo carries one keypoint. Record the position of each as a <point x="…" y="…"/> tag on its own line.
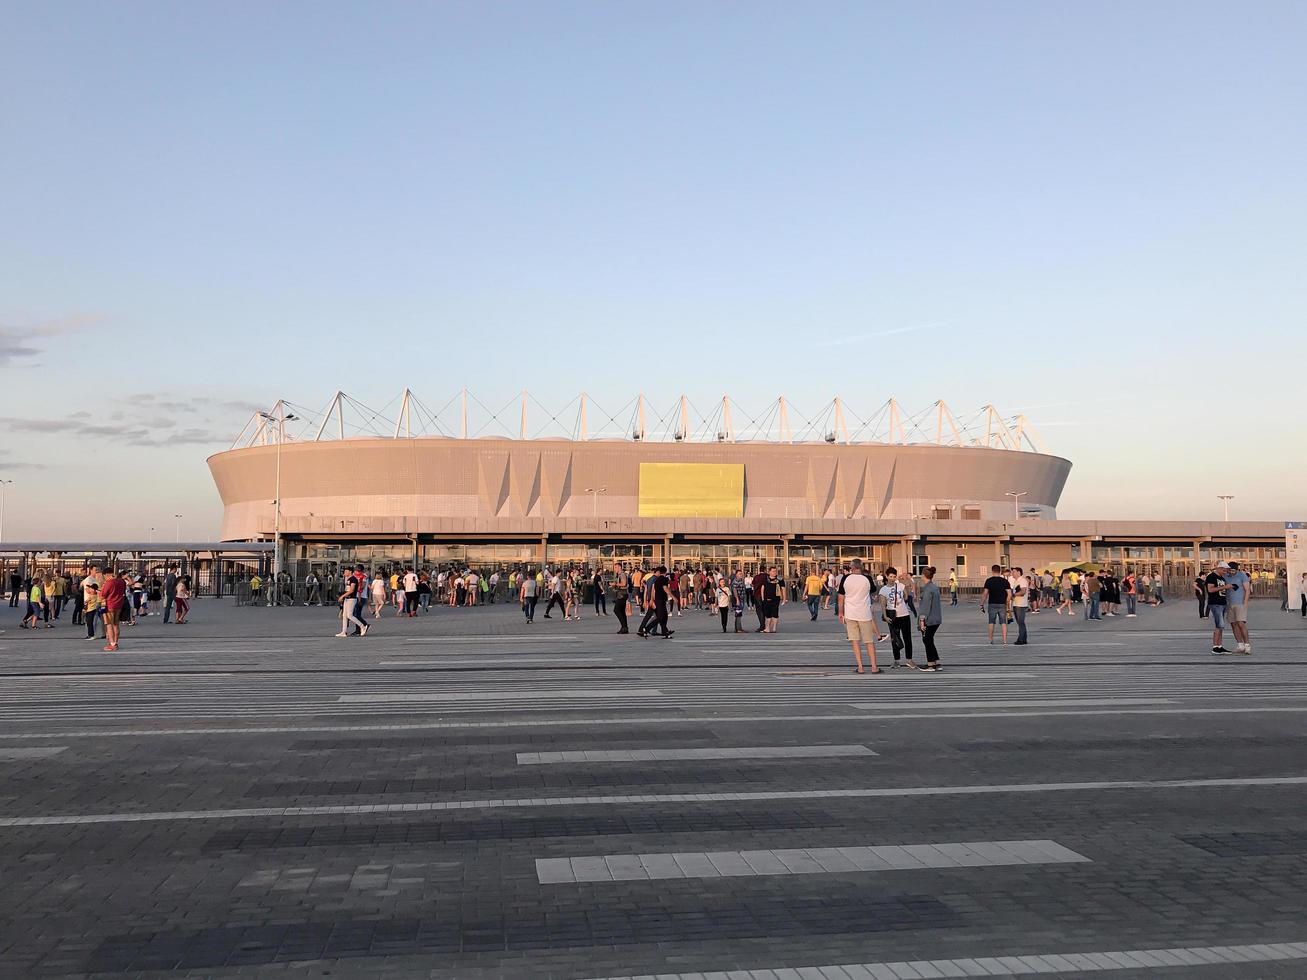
<point x="1098" y="209"/>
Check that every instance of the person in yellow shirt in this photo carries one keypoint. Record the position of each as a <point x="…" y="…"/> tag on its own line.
<point x="812" y="586"/>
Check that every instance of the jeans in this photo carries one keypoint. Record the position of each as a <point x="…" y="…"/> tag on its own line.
<point x="91" y="617"/>
<point x="169" y="599"/>
<point x="558" y="598"/>
<point x="1130" y="603"/>
<point x="424" y="601"/>
<point x="349" y="614"/>
<point x="529" y="607"/>
<point x="619" y="610"/>
<point x="814" y="604"/>
<point x="953" y="598"/>
<point x="1019" y="612"/>
<point x="601" y="603"/>
<point x="1091" y="610"/>
<point x="725" y="611"/>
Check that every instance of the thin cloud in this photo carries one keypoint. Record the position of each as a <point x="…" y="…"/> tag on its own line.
<point x="859" y="338"/>
<point x="16" y="339"/>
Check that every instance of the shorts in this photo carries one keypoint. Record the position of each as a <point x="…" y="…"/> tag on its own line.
<point x="1237" y="612"/>
<point x="997" y="613"/>
<point x="1218" y="616"/>
<point x="771" y="608"/>
<point x="860" y="631"/>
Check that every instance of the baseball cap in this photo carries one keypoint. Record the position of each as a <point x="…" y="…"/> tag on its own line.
<point x="1221" y="564"/>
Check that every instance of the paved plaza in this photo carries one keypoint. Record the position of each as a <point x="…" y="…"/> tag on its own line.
<point x="464" y="795"/>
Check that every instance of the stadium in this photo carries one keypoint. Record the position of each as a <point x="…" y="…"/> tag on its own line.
<point x="678" y="483"/>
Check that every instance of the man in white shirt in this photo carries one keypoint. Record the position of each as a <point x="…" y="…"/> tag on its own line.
<point x="899" y="615"/>
<point x="832" y="583"/>
<point x="853" y="605"/>
<point x="555" y="594"/>
<point x="494" y="585"/>
<point x="410" y="593"/>
<point x="1020" y="602"/>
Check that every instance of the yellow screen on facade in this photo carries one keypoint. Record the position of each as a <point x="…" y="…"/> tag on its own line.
<point x="691" y="489"/>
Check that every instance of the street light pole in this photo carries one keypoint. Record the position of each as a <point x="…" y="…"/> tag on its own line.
<point x="281" y="419"/>
<point x="1016" y="496"/>
<point x="178" y="530"/>
<point x="1225" y="499"/>
<point x="594" y="499"/>
<point x="3" y="484"/>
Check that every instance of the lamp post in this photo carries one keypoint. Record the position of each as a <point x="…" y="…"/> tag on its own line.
<point x="281" y="421"/>
<point x="1225" y="499"/>
<point x="594" y="493"/>
<point x="177" y="530"/>
<point x="151" y="535"/>
<point x="3" y="484"/>
<point x="1016" y="496"/>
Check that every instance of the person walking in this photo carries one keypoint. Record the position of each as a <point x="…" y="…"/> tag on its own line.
<point x="1302" y="593"/>
<point x="1092" y="590"/>
<point x="313" y="585"/>
<point x="853" y="608"/>
<point x="1237" y="607"/>
<point x="378" y="594"/>
<point x="169" y="592"/>
<point x="812" y="586"/>
<point x="739" y="594"/>
<point x="930" y="616"/>
<point x="556" y="594"/>
<point x="410" y="593"/>
<point x="722" y="595"/>
<point x="1215" y="585"/>
<point x="349" y="600"/>
<point x="952" y="587"/>
<point x="529" y="595"/>
<point x="620" y="583"/>
<point x="898" y="614"/>
<point x="659" y="584"/>
<point x="1020" y="605"/>
<point x="600" y="596"/>
<point x="995" y="596"/>
<point x="182" y="599"/>
<point x="15" y="588"/>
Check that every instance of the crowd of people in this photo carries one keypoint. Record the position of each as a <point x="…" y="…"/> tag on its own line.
<point x="865" y="601"/>
<point x="109" y="599"/>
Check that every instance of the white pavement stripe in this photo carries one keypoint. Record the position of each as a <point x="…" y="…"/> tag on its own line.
<point x="1106" y="961"/>
<point x="433" y="806"/>
<point x="1024" y="703"/>
<point x="526" y="697"/>
<point x="625" y="722"/>
<point x="482" y="661"/>
<point x="679" y="755"/>
<point x="35" y="752"/>
<point x="804" y="861"/>
<point x="492" y="640"/>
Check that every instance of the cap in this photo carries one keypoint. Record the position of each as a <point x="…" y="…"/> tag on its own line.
<point x="1221" y="564"/>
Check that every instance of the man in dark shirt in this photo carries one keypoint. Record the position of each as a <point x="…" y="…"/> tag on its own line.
<point x="15" y="587"/>
<point x="659" y="585"/>
<point x="997" y="593"/>
<point x="620" y="584"/>
<point x="1216" y="586"/>
<point x="169" y="592"/>
<point x="759" y="606"/>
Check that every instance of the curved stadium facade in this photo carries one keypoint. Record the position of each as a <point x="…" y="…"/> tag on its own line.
<point x="907" y="491"/>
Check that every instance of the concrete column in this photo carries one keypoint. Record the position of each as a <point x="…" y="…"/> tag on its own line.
<point x="544" y="550"/>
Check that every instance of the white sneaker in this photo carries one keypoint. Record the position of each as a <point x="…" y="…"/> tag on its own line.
<point x="342" y="634"/>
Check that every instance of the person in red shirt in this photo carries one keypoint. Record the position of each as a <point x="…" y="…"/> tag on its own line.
<point x="114" y="594"/>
